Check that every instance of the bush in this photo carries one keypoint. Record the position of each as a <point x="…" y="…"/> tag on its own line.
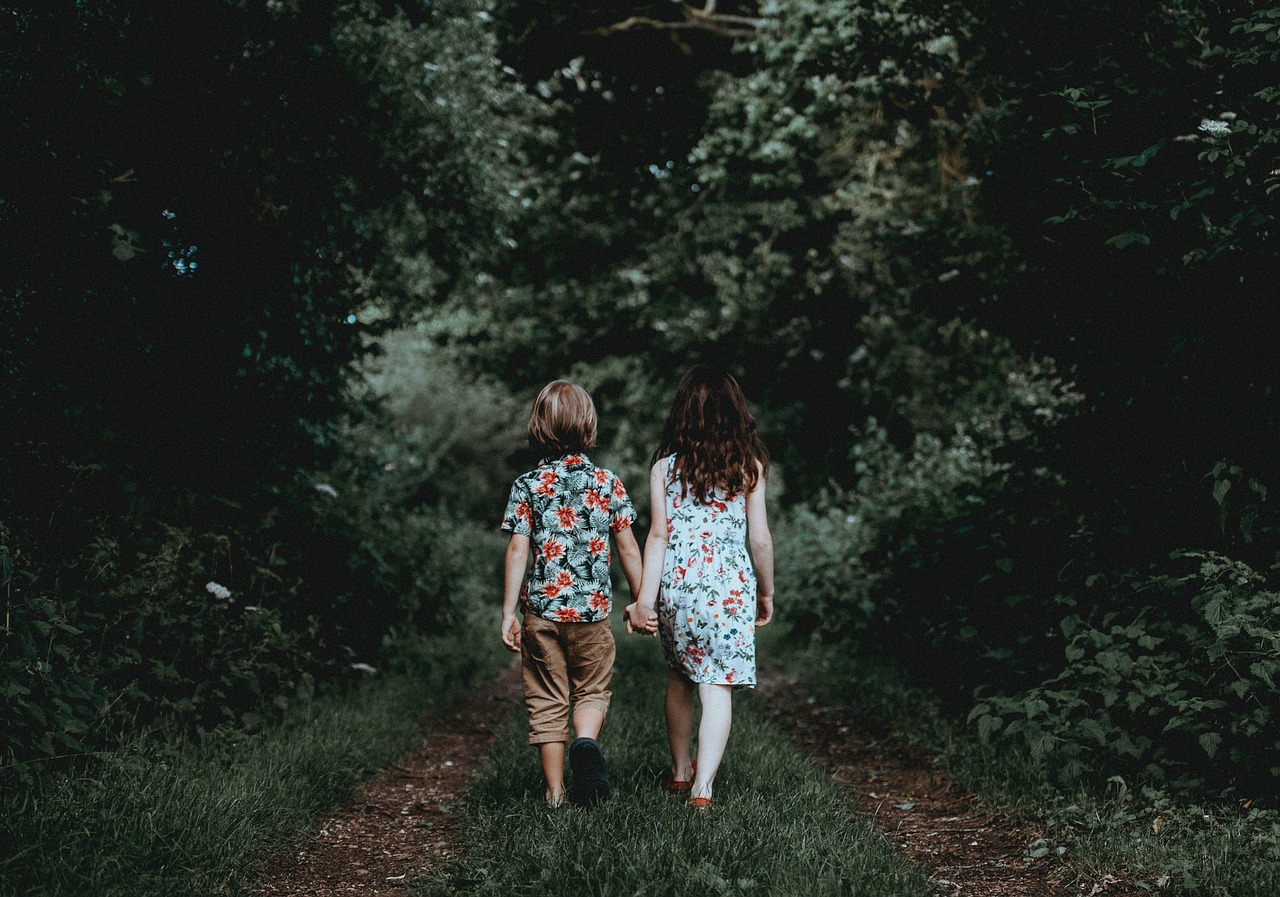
<point x="1183" y="693"/>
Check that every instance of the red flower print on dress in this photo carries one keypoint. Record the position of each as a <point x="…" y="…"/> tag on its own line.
<point x="602" y="476"/>
<point x="564" y="579"/>
<point x="573" y="460"/>
<point x="552" y="550"/>
<point x="598" y="545"/>
<point x="567" y="518"/>
<point x="599" y="602"/>
<point x="524" y="512"/>
<point x="618" y="491"/>
<point x="568" y="615"/>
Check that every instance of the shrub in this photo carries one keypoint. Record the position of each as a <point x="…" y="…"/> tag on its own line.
<point x="1181" y="693"/>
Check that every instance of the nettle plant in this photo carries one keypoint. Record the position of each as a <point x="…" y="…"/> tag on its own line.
<point x="1181" y="693"/>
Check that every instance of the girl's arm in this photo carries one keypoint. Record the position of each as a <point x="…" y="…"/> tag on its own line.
<point x="512" y="581"/>
<point x="761" y="542"/>
<point x="642" y="616"/>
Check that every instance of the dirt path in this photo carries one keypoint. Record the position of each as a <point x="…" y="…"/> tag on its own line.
<point x="407" y="820"/>
<point x="966" y="847"/>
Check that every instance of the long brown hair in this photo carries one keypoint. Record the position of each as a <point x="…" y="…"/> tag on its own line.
<point x="713" y="435"/>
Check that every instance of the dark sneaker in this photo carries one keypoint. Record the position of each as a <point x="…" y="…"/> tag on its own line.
<point x="590" y="782"/>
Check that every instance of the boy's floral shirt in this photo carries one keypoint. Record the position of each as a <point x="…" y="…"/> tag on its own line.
<point x="568" y="507"/>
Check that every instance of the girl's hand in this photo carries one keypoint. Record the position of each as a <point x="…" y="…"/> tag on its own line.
<point x="511" y="632"/>
<point x="764" y="609"/>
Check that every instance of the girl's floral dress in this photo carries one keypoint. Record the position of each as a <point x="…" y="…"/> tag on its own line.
<point x="707" y="601"/>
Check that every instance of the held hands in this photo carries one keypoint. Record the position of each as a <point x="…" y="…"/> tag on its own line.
<point x="642" y="620"/>
<point x="511" y="632"/>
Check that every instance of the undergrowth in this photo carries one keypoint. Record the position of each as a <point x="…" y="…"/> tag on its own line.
<point x="162" y="817"/>
<point x="1128" y="829"/>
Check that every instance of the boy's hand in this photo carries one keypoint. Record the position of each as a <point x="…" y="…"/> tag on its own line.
<point x="641" y="620"/>
<point x="511" y="632"/>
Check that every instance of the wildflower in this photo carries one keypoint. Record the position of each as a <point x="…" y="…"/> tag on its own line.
<point x="364" y="668"/>
<point x="221" y="592"/>
<point x="1209" y="126"/>
<point x="326" y="489"/>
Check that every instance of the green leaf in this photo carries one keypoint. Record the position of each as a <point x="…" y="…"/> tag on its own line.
<point x="1210" y="742"/>
<point x="1128" y="238"/>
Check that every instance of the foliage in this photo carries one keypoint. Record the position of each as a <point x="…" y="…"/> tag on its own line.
<point x="208" y="235"/>
<point x="1183" y="694"/>
<point x="158" y="815"/>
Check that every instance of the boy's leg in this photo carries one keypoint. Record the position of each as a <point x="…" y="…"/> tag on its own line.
<point x="591" y="653"/>
<point x="546" y="695"/>
<point x="713" y="734"/>
<point x="679" y="711"/>
<point x="551" y="753"/>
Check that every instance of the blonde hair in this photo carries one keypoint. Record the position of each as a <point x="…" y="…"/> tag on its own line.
<point x="563" y="419"/>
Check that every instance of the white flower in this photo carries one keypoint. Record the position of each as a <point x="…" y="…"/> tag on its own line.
<point x="1209" y="126"/>
<point x="363" y="668"/>
<point x="326" y="489"/>
<point x="221" y="592"/>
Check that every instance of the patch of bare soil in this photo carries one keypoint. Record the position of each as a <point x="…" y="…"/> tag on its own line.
<point x="966" y="846"/>
<point x="408" y="818"/>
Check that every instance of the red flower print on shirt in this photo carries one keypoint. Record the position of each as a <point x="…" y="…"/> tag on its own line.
<point x="596" y="501"/>
<point x="567" y="506"/>
<point x="546" y="484"/>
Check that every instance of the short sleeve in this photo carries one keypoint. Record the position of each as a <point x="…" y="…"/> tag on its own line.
<point x="621" y="513"/>
<point x="518" y="519"/>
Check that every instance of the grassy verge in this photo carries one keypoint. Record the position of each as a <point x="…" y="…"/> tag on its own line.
<point x="160" y="819"/>
<point x="1164" y="844"/>
<point x="776" y="828"/>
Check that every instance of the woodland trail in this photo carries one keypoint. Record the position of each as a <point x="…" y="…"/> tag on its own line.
<point x="408" y="820"/>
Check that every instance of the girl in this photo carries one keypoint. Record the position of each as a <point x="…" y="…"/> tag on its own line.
<point x="699" y="590"/>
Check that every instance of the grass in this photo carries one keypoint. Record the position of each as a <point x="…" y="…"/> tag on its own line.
<point x="776" y="827"/>
<point x="1109" y="827"/>
<point x="161" y="819"/>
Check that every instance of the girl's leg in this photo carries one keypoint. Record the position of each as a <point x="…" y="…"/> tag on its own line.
<point x="713" y="734"/>
<point x="680" y="724"/>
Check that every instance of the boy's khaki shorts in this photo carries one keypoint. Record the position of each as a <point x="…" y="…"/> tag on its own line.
<point x="563" y="663"/>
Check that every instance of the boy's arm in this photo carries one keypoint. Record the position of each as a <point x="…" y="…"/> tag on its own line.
<point x="629" y="556"/>
<point x="512" y="581"/>
<point x="761" y="542"/>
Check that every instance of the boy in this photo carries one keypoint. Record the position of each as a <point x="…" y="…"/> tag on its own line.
<point x="563" y="512"/>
